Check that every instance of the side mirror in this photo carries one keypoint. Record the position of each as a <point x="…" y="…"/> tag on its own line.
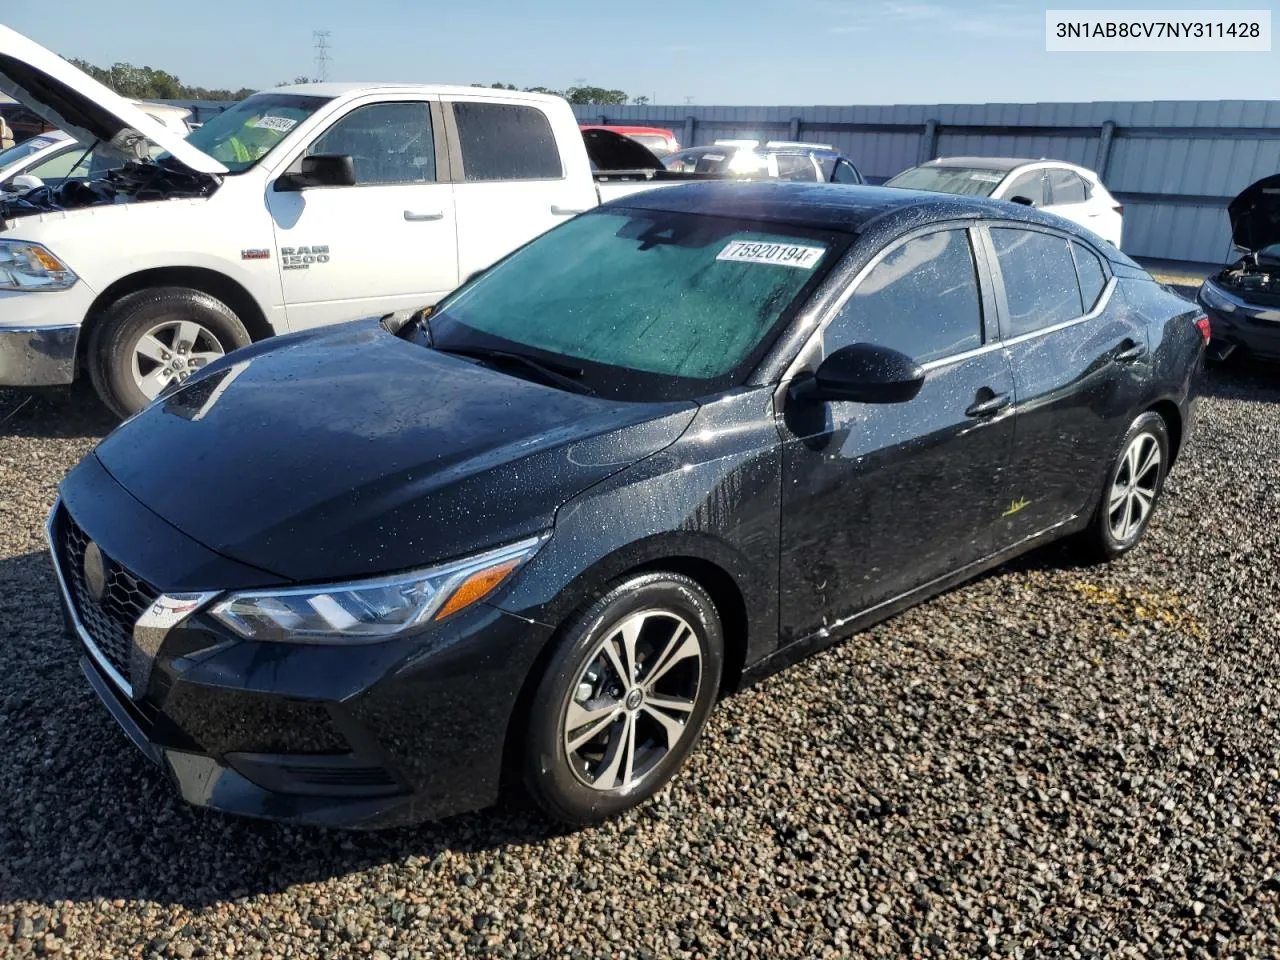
<point x="1025" y="201"/>
<point x="320" y="170"/>
<point x="24" y="182"/>
<point x="863" y="373"/>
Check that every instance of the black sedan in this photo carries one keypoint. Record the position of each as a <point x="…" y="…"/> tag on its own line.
<point x="1243" y="300"/>
<point x="392" y="567"/>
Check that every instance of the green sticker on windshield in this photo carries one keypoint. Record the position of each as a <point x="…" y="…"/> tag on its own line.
<point x="780" y="254"/>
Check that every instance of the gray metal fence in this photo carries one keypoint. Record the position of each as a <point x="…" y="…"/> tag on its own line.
<point x="1174" y="164"/>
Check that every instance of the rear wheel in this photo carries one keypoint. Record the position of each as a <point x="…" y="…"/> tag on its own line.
<point x="153" y="339"/>
<point x="624" y="698"/>
<point x="1133" y="485"/>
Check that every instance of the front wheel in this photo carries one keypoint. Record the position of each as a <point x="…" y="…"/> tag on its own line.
<point x="1133" y="486"/>
<point x="152" y="339"/>
<point x="624" y="698"/>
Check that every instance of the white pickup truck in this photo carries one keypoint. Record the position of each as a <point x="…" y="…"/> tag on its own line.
<point x="299" y="206"/>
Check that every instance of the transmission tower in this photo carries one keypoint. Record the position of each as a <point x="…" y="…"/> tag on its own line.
<point x="321" y="38"/>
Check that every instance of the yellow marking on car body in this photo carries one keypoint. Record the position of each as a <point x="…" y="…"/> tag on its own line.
<point x="1015" y="506"/>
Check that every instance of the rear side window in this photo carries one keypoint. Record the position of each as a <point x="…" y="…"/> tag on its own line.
<point x="844" y="173"/>
<point x="506" y="141"/>
<point x="1039" y="279"/>
<point x="922" y="299"/>
<point x="1067" y="187"/>
<point x="1092" y="277"/>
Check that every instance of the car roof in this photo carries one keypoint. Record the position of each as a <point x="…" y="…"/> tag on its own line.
<point x="333" y="90"/>
<point x="1002" y="164"/>
<point x="830" y="206"/>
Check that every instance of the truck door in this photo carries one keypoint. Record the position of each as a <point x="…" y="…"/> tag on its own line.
<point x="387" y="243"/>
<point x="513" y="184"/>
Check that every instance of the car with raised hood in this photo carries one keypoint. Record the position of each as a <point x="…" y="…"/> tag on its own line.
<point x="1243" y="300"/>
<point x="533" y="533"/>
<point x="659" y="141"/>
<point x="300" y="206"/>
<point x="1054" y="186"/>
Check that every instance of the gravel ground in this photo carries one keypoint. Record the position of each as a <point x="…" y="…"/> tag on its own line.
<point x="1053" y="761"/>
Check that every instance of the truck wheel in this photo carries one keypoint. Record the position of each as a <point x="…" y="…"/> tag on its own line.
<point x="153" y="338"/>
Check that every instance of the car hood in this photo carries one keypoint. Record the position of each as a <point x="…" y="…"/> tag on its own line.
<point x="1255" y="214"/>
<point x="71" y="100"/>
<point x="351" y="452"/>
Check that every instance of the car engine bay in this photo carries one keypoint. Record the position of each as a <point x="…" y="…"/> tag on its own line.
<point x="1255" y="275"/>
<point x="137" y="181"/>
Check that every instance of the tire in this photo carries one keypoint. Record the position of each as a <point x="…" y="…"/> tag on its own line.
<point x="580" y="777"/>
<point x="1119" y="522"/>
<point x="167" y="315"/>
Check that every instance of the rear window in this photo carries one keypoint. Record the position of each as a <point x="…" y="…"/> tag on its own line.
<point x="506" y="141"/>
<point x="965" y="181"/>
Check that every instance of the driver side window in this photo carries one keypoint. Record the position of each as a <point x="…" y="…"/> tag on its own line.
<point x="922" y="299"/>
<point x="388" y="142"/>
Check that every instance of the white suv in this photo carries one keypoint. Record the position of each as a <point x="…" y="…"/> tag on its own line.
<point x="1054" y="186"/>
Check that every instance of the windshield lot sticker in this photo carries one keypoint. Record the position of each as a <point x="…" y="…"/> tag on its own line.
<point x="987" y="177"/>
<point x="278" y="124"/>
<point x="782" y="254"/>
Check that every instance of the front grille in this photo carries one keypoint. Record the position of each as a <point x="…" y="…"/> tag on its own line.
<point x="109" y="622"/>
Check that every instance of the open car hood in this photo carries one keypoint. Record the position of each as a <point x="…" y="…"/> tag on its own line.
<point x="72" y="101"/>
<point x="1255" y="214"/>
<point x="608" y="150"/>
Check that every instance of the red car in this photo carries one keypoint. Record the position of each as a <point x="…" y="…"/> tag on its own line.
<point x="659" y="141"/>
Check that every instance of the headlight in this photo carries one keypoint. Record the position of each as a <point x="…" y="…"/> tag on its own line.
<point x="29" y="266"/>
<point x="366" y="611"/>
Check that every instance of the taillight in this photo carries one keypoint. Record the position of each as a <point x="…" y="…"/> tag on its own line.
<point x="1202" y="324"/>
<point x="1118" y="208"/>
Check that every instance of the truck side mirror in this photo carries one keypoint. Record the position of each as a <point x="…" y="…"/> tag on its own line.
<point x="320" y="170"/>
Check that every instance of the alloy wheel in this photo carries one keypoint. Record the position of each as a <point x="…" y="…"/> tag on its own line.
<point x="170" y="352"/>
<point x="632" y="702"/>
<point x="1133" y="492"/>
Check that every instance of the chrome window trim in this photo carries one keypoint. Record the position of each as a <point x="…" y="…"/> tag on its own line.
<point x="1098" y="308"/>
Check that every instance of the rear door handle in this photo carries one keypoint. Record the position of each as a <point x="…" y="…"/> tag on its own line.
<point x="560" y="211"/>
<point x="424" y="214"/>
<point x="989" y="406"/>
<point x="1134" y="351"/>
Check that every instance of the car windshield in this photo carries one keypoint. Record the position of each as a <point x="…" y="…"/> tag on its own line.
<point x="24" y="150"/>
<point x="967" y="181"/>
<point x="642" y="304"/>
<point x="242" y="135"/>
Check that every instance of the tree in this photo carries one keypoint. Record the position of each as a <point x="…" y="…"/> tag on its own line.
<point x="640" y="101"/>
<point x="146" y="83"/>
<point x="599" y="95"/>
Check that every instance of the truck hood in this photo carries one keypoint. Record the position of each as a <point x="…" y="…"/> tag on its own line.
<point x="349" y="452"/>
<point x="1255" y="214"/>
<point x="72" y="101"/>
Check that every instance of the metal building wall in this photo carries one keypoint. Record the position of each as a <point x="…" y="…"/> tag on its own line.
<point x="1174" y="164"/>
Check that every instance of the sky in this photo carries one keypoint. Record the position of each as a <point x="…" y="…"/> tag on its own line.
<point x="711" y="52"/>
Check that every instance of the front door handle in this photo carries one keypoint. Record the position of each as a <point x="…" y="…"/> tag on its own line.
<point x="989" y="405"/>
<point x="1128" y="352"/>
<point x="424" y="214"/>
<point x="560" y="211"/>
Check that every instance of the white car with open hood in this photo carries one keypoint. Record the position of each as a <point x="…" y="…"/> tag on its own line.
<point x="299" y="206"/>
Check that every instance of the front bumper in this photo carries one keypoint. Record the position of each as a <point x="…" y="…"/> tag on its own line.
<point x="1237" y="323"/>
<point x="38" y="356"/>
<point x="363" y="736"/>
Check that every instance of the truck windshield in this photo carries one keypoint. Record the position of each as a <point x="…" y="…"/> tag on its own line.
<point x="642" y="304"/>
<point x="247" y="132"/>
<point x="966" y="181"/>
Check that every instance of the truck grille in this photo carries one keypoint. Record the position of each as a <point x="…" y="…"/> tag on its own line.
<point x="109" y="621"/>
